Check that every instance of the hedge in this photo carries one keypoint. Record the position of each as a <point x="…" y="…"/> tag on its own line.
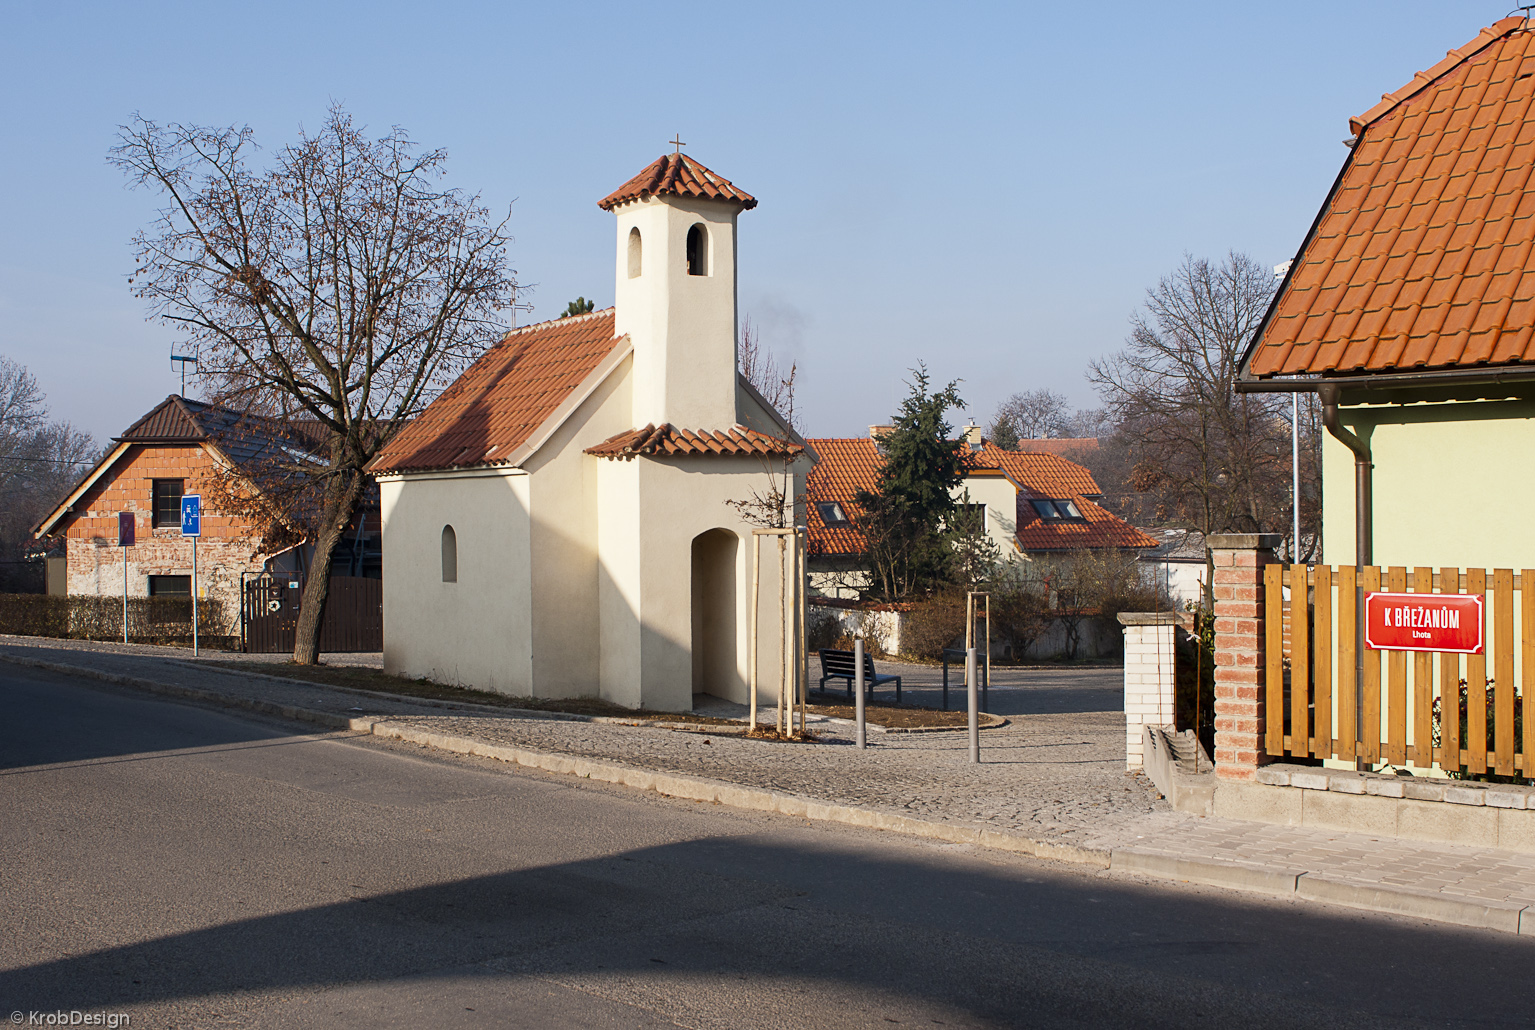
<point x="151" y="620"/>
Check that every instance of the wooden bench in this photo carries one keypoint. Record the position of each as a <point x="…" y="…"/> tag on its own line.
<point x="840" y="665"/>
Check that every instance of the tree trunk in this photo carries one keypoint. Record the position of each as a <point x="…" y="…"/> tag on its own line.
<point x="340" y="507"/>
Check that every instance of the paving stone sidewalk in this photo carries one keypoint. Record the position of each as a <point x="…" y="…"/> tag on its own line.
<point x="1053" y="775"/>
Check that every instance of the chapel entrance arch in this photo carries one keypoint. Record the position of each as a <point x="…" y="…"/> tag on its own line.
<point x="714" y="612"/>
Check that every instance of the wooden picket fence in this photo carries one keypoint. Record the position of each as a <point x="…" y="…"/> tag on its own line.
<point x="1431" y="708"/>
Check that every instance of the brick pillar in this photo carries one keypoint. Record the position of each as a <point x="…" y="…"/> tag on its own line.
<point x="1151" y="672"/>
<point x="1239" y="634"/>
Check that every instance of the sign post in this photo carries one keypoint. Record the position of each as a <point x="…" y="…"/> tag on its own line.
<point x="125" y="541"/>
<point x="192" y="526"/>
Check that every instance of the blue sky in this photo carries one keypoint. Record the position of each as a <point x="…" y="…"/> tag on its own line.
<point x="987" y="188"/>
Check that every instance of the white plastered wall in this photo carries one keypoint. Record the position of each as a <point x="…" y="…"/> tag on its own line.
<point x="683" y="327"/>
<point x="647" y="603"/>
<point x="1001" y="499"/>
<point x="475" y="632"/>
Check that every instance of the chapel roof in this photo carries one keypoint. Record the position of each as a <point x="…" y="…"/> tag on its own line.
<point x="849" y="465"/>
<point x="680" y="175"/>
<point x="668" y="441"/>
<point x="1418" y="261"/>
<point x="504" y="397"/>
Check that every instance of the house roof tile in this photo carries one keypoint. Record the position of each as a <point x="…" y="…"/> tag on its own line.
<point x="669" y="441"/>
<point x="682" y="176"/>
<point x="850" y="465"/>
<point x="1420" y="259"/>
<point x="501" y="399"/>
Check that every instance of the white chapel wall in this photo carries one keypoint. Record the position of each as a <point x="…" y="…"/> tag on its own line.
<point x="475" y="632"/>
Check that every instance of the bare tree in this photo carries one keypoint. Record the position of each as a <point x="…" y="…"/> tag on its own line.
<point x="761" y="368"/>
<point x="1032" y="415"/>
<point x="40" y="460"/>
<point x="342" y="283"/>
<point x="1213" y="459"/>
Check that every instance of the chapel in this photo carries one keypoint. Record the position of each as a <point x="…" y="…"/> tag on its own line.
<point x="560" y="521"/>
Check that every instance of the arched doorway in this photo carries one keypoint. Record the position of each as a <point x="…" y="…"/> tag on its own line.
<point x="714" y="612"/>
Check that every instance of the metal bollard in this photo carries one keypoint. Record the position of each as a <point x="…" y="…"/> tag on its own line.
<point x="863" y="733"/>
<point x="973" y="689"/>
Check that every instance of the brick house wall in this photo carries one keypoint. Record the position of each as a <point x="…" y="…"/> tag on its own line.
<point x="228" y="546"/>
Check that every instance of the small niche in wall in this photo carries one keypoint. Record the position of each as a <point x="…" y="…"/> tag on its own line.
<point x="636" y="258"/>
<point x="449" y="555"/>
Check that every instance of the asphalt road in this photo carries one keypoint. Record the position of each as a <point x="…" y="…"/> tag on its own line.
<point x="194" y="868"/>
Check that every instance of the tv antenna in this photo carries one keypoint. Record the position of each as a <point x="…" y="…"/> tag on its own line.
<point x="179" y="363"/>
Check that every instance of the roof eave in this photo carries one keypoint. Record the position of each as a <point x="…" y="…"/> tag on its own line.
<point x="1391" y="380"/>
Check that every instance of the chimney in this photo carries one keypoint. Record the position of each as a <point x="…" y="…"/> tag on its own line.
<point x="879" y="432"/>
<point x="973" y="436"/>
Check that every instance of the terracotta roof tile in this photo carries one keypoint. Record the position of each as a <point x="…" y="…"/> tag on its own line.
<point x="680" y="175"/>
<point x="500" y="400"/>
<point x="669" y="441"/>
<point x="1419" y="259"/>
<point x="850" y="465"/>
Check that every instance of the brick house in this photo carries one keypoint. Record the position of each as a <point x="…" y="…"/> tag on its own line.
<point x="176" y="449"/>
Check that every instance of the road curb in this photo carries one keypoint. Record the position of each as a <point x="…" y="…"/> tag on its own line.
<point x="1319" y="887"/>
<point x="1330" y="889"/>
<point x="692" y="788"/>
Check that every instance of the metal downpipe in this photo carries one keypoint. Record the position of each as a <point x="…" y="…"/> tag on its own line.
<point x="1364" y="544"/>
<point x="1327" y="393"/>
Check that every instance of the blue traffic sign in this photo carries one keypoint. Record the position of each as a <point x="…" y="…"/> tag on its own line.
<point x="191" y="515"/>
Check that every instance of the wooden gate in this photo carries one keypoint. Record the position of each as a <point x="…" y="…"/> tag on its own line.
<point x="354" y="614"/>
<point x="1433" y="708"/>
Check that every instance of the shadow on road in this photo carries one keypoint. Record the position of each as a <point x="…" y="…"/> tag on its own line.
<point x="1011" y="946"/>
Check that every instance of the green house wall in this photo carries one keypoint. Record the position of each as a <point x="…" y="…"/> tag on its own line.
<point x="1454" y="479"/>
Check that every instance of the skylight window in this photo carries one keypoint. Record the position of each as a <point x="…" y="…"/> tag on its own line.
<point x="832" y="513"/>
<point x="1054" y="510"/>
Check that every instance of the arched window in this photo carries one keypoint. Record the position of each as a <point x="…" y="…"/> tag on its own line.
<point x="449" y="555"/>
<point x="698" y="250"/>
<point x="634" y="254"/>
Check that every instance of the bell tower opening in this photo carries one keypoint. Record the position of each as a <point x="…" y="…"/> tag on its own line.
<point x="698" y="250"/>
<point x="635" y="255"/>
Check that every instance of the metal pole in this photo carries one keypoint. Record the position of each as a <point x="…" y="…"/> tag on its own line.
<point x="194" y="597"/>
<point x="1295" y="472"/>
<point x="975" y="710"/>
<point x="863" y="735"/>
<point x="125" y="595"/>
<point x="986" y="673"/>
<point x="752" y="639"/>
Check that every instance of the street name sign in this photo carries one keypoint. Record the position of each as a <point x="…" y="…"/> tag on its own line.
<point x="192" y="515"/>
<point x="1424" y="622"/>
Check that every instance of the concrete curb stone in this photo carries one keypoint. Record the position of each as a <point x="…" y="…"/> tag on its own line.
<point x="1505" y="917"/>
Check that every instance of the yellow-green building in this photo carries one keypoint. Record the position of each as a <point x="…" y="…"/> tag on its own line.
<point x="1410" y="311"/>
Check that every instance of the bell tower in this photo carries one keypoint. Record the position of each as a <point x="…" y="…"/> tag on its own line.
<point x="675" y="291"/>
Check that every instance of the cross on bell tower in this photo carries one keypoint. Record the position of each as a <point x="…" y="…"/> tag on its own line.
<point x="676" y="142"/>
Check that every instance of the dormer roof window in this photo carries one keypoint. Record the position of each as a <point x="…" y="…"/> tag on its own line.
<point x="832" y="513"/>
<point x="1055" y="510"/>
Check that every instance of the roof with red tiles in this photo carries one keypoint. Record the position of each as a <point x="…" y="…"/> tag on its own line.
<point x="504" y="397"/>
<point x="852" y="464"/>
<point x="1065" y="446"/>
<point x="682" y="176"/>
<point x="669" y="441"/>
<point x="1419" y="260"/>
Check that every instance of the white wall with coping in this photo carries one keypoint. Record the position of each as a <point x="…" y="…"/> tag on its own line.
<point x="1151" y="671"/>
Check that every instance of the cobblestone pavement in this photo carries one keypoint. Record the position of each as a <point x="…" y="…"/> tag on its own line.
<point x="1055" y="776"/>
